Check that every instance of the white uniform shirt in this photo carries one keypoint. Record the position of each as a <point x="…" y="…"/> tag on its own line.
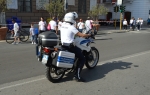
<point x="53" y="24"/>
<point x="141" y="21"/>
<point x="59" y="25"/>
<point x="68" y="32"/>
<point x="42" y="25"/>
<point x="125" y="22"/>
<point x="131" y="21"/>
<point x="88" y="25"/>
<point x="16" y="27"/>
<point x="80" y="25"/>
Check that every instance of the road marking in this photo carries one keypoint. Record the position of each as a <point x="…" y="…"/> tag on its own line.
<point x="2" y="41"/>
<point x="125" y="57"/>
<point x="22" y="83"/>
<point x="100" y="63"/>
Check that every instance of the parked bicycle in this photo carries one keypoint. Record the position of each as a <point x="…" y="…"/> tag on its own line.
<point x="23" y="35"/>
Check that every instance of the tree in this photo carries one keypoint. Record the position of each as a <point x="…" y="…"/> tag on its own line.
<point x="3" y="5"/>
<point x="55" y="8"/>
<point x="97" y="10"/>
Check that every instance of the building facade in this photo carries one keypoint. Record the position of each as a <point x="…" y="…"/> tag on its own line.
<point x="28" y="12"/>
<point x="134" y="8"/>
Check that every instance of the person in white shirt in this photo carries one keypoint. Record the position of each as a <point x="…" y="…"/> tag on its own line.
<point x="68" y="32"/>
<point x="141" y="20"/>
<point x="16" y="32"/>
<point x="59" y="26"/>
<point x="125" y="24"/>
<point x="42" y="25"/>
<point x="131" y="23"/>
<point x="32" y="34"/>
<point x="53" y="25"/>
<point x="88" y="24"/>
<point x="138" y="23"/>
<point x="80" y="25"/>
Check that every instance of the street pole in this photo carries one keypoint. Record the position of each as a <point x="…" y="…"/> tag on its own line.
<point x="120" y="20"/>
<point x="115" y="17"/>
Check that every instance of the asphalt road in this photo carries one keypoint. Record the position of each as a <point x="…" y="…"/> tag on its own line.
<point x="123" y="69"/>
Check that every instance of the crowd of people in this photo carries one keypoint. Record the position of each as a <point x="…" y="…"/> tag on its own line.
<point x="54" y="25"/>
<point x="133" y="24"/>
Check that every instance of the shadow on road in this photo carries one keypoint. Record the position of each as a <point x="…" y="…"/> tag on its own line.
<point x="100" y="71"/>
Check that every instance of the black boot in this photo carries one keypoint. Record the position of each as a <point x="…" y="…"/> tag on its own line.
<point x="77" y="76"/>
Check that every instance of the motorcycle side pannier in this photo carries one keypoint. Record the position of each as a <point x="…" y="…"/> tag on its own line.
<point x="47" y="39"/>
<point x="64" y="59"/>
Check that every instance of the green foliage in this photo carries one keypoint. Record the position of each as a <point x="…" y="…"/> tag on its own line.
<point x="55" y="8"/>
<point x="98" y="10"/>
<point x="3" y="5"/>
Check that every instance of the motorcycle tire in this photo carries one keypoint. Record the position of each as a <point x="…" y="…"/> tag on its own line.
<point x="52" y="70"/>
<point x="94" y="63"/>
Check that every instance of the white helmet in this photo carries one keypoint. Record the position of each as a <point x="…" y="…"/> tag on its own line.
<point x="70" y="17"/>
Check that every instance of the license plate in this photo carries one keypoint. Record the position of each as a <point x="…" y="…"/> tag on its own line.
<point x="45" y="59"/>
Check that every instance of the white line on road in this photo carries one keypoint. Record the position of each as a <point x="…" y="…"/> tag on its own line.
<point x="100" y="63"/>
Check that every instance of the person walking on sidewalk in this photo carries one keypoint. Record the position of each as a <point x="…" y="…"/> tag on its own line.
<point x="133" y="24"/>
<point x="80" y="25"/>
<point x="125" y="24"/>
<point x="53" y="25"/>
<point x="16" y="32"/>
<point x="88" y="24"/>
<point x="138" y="23"/>
<point x="42" y="25"/>
<point x="141" y="20"/>
<point x="32" y="34"/>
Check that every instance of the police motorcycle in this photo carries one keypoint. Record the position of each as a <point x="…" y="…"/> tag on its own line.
<point x="58" y="60"/>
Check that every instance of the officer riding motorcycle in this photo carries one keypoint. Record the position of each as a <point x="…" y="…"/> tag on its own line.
<point x="68" y="33"/>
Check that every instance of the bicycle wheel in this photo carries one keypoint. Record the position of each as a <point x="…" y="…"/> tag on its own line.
<point x="9" y="38"/>
<point x="23" y="36"/>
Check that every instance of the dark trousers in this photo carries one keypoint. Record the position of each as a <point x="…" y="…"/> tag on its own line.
<point x="133" y="27"/>
<point x="125" y="27"/>
<point x="138" y="27"/>
<point x="80" y="30"/>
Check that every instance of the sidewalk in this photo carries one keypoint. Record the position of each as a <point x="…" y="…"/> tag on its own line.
<point x="111" y="29"/>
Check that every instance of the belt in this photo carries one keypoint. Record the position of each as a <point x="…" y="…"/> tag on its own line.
<point x="67" y="44"/>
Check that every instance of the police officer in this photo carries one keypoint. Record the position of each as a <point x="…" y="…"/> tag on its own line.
<point x="68" y="32"/>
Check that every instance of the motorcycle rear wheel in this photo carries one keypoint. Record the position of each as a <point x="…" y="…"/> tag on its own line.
<point x="53" y="75"/>
<point x="95" y="54"/>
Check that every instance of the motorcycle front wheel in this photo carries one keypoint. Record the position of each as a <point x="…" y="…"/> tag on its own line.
<point x="94" y="58"/>
<point x="54" y="74"/>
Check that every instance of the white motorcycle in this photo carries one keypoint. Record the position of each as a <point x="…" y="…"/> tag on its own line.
<point x="59" y="61"/>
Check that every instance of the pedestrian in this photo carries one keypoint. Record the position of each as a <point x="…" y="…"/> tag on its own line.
<point x="80" y="25"/>
<point x="138" y="23"/>
<point x="60" y="21"/>
<point x="125" y="24"/>
<point x="96" y="24"/>
<point x="32" y="34"/>
<point x="53" y="25"/>
<point x="133" y="24"/>
<point x="141" y="20"/>
<point x="88" y="24"/>
<point x="16" y="32"/>
<point x="42" y="25"/>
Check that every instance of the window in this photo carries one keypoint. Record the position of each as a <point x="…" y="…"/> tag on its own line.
<point x="25" y="5"/>
<point x="82" y="6"/>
